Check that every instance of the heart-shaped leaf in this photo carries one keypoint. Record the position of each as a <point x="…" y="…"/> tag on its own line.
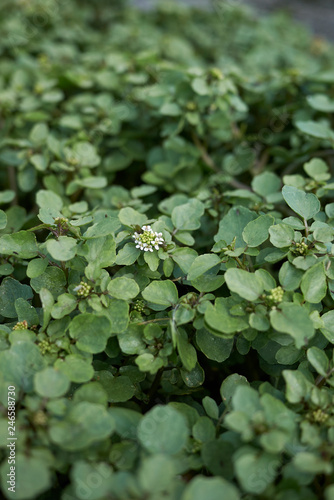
<point x="304" y="204"/>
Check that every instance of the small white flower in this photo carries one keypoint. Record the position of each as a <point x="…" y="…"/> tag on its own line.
<point x="148" y="239"/>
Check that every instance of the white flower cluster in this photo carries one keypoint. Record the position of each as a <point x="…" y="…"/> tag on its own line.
<point x="148" y="239"/>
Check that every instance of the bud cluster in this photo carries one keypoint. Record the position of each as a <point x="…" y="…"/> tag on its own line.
<point x="40" y="418"/>
<point x="73" y="161"/>
<point x="301" y="248"/>
<point x="21" y="325"/>
<point x="61" y="221"/>
<point x="195" y="446"/>
<point x="139" y="306"/>
<point x="320" y="416"/>
<point x="216" y="73"/>
<point x="45" y="347"/>
<point x="191" y="105"/>
<point x="148" y="239"/>
<point x="62" y="225"/>
<point x="276" y="295"/>
<point x="83" y="289"/>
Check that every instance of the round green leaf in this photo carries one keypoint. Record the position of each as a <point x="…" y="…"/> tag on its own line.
<point x="212" y="488"/>
<point x="314" y="129"/>
<point x="149" y="363"/>
<point x="123" y="288"/>
<point x="6" y="196"/>
<point x="249" y="286"/>
<point x="214" y="347"/>
<point x="193" y="378"/>
<point x="293" y="319"/>
<point x="156" y="474"/>
<point x="76" y="369"/>
<point x="47" y="301"/>
<point x="10" y="291"/>
<point x="163" y="430"/>
<point x="281" y="235"/>
<point x="85" y="154"/>
<point x="63" y="249"/>
<point x="202" y="264"/>
<point x="32" y="477"/>
<point x="65" y="305"/>
<point x="232" y="225"/>
<point x="51" y="383"/>
<point x="312" y="463"/>
<point x="217" y="456"/>
<point x="321" y="102"/>
<point x="220" y="320"/>
<point x="118" y="315"/>
<point x="48" y="215"/>
<point x="289" y="276"/>
<point x="49" y="199"/>
<point x="36" y="267"/>
<point x="91" y="332"/>
<point x="317" y="169"/>
<point x="21" y="244"/>
<point x="3" y="219"/>
<point x="204" y="430"/>
<point x="256" y="231"/>
<point x="163" y="293"/>
<point x="90" y="480"/>
<point x="266" y="183"/>
<point x="328" y="328"/>
<point x="127" y="255"/>
<point x="318" y="360"/>
<point x="85" y="424"/>
<point x="186" y="350"/>
<point x="130" y="217"/>
<point x="255" y="470"/>
<point x="26" y="312"/>
<point x="211" y="407"/>
<point x="187" y="216"/>
<point x="53" y="279"/>
<point x="314" y="283"/>
<point x="152" y="260"/>
<point x="184" y="257"/>
<point x="304" y="204"/>
<point x="19" y="364"/>
<point x="229" y="386"/>
<point x="297" y="385"/>
<point x="119" y="389"/>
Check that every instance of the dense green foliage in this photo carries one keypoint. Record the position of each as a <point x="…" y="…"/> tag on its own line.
<point x="202" y="369"/>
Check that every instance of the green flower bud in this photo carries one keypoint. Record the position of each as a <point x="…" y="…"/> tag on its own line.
<point x="301" y="248"/>
<point x="276" y="295"/>
<point x="83" y="289"/>
<point x="320" y="416"/>
<point x="21" y="325"/>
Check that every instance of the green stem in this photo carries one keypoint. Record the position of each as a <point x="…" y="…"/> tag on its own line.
<point x="321" y="380"/>
<point x="306" y="228"/>
<point x="152" y="321"/>
<point x="242" y="266"/>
